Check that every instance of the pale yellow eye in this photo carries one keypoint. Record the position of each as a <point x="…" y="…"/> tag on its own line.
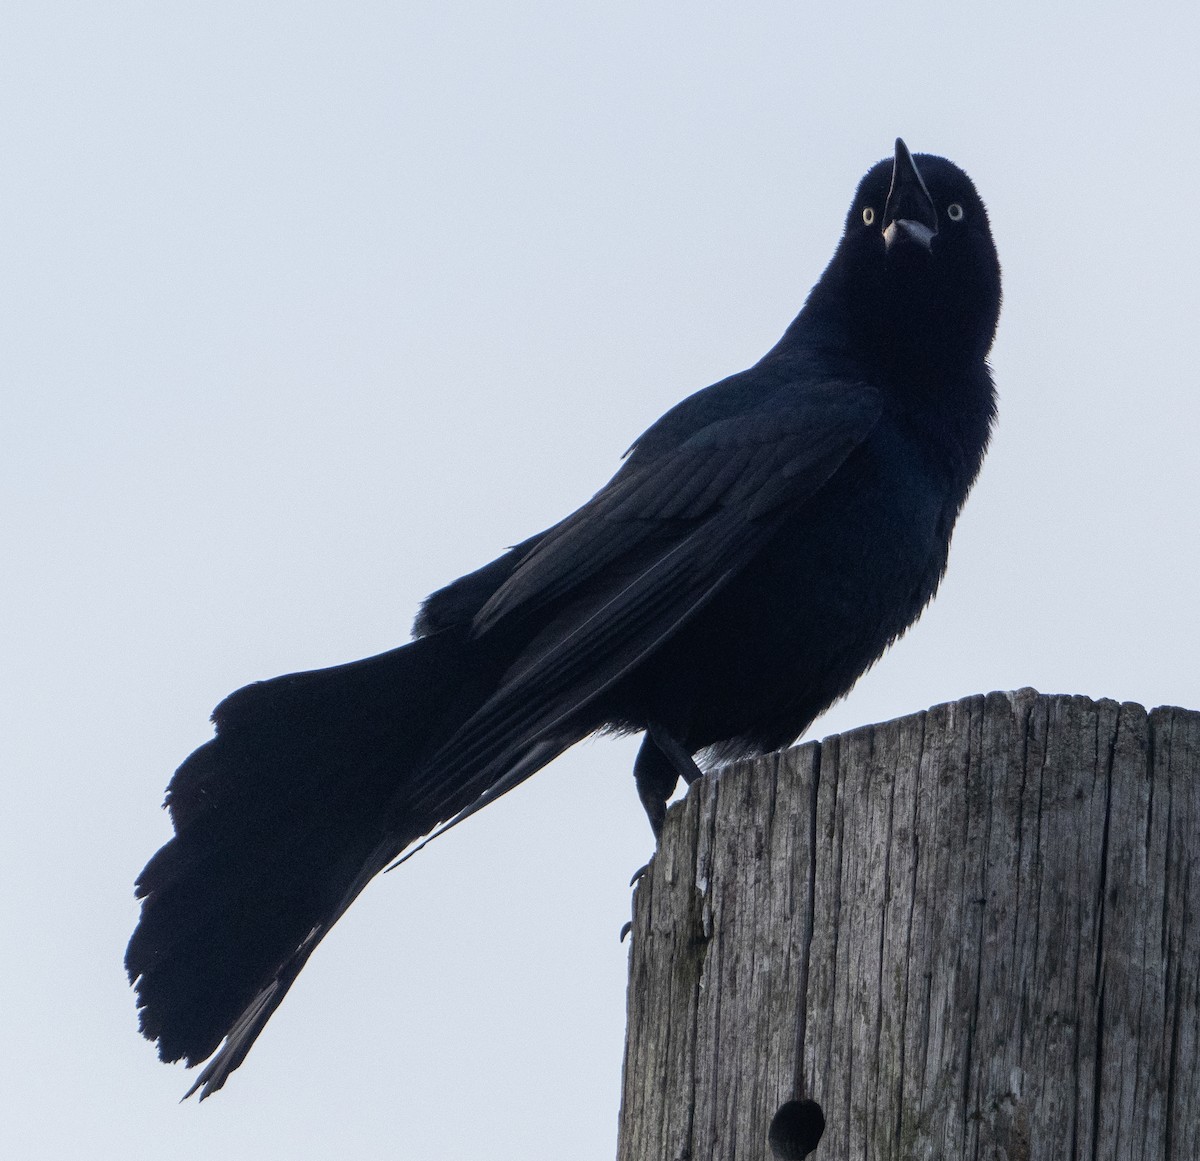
<point x="954" y="212"/>
<point x="868" y="215"/>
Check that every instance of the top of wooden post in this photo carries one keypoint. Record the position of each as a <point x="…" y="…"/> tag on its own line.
<point x="970" y="932"/>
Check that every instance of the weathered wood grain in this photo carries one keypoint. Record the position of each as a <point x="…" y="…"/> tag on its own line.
<point x="969" y="933"/>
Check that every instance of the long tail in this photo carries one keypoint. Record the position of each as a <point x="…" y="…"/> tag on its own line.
<point x="307" y="791"/>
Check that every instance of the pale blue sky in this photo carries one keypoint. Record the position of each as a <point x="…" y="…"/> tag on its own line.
<point x="310" y="307"/>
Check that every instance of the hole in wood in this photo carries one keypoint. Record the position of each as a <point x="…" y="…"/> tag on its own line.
<point x="796" y="1129"/>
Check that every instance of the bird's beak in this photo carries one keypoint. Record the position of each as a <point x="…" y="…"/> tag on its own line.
<point x="909" y="212"/>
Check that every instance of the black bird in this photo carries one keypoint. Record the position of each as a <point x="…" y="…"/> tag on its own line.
<point x="762" y="545"/>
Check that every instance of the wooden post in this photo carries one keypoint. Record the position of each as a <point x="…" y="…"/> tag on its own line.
<point x="973" y="933"/>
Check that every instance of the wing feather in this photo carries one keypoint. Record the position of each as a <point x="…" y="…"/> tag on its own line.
<point x="645" y="555"/>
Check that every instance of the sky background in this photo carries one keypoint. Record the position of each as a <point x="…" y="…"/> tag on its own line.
<point x="309" y="308"/>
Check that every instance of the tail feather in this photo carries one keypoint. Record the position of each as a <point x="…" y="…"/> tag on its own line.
<point x="281" y="820"/>
<point x="243" y="1032"/>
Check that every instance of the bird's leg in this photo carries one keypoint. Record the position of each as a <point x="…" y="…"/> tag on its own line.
<point x="677" y="754"/>
<point x="656" y="779"/>
<point x="660" y="763"/>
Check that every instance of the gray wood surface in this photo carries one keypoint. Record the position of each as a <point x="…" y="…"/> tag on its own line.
<point x="969" y="933"/>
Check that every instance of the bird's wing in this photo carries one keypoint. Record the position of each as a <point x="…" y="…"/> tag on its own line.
<point x="623" y="573"/>
<point x="741" y="467"/>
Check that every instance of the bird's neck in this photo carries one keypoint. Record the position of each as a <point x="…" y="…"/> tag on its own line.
<point x="936" y="387"/>
<point x="912" y="355"/>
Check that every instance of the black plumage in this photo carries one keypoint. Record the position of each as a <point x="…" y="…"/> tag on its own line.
<point x="762" y="545"/>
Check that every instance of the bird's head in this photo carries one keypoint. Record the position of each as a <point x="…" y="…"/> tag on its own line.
<point x="916" y="271"/>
